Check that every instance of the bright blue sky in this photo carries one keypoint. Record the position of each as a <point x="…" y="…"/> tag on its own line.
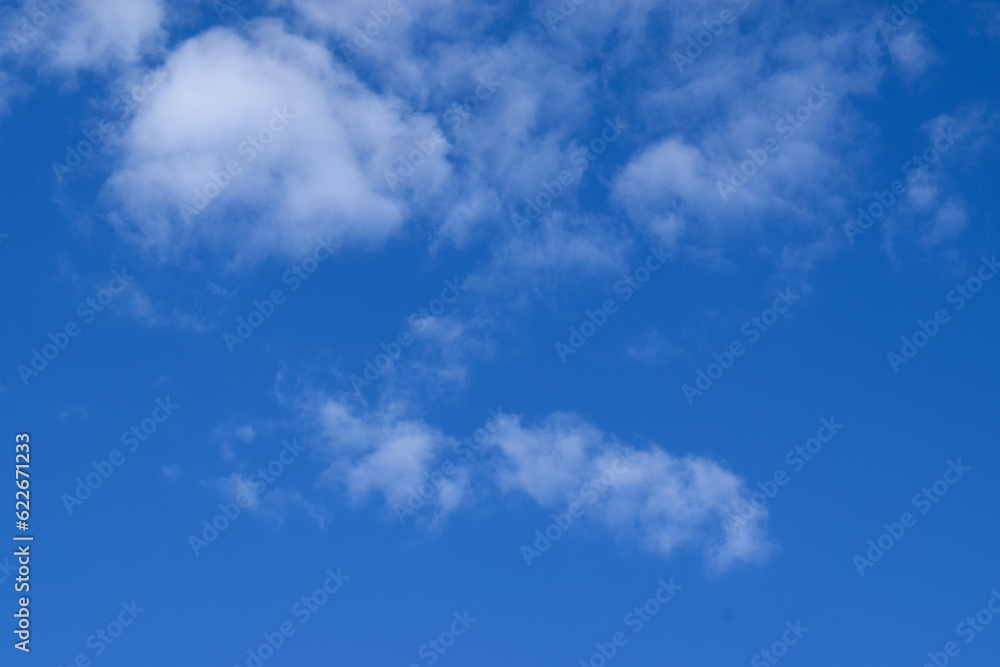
<point x="327" y="126"/>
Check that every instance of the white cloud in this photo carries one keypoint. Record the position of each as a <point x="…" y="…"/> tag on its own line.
<point x="520" y="132"/>
<point x="912" y="53"/>
<point x="985" y="19"/>
<point x="739" y="94"/>
<point x="933" y="210"/>
<point x="271" y="504"/>
<point x="227" y="434"/>
<point x="549" y="253"/>
<point x="659" y="501"/>
<point x="649" y="346"/>
<point x="100" y="31"/>
<point x="138" y="305"/>
<point x="451" y="344"/>
<point x="239" y="486"/>
<point x="245" y="432"/>
<point x="72" y="35"/>
<point x="382" y="451"/>
<point x="682" y="169"/>
<point x="322" y="173"/>
<point x="949" y="223"/>
<point x="364" y="23"/>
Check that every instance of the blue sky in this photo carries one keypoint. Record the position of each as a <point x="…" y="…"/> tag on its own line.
<point x="521" y="333"/>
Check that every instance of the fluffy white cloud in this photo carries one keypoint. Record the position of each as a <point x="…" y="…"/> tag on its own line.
<point x="271" y="504"/>
<point x="949" y="223"/>
<point x="546" y="253"/>
<point x="933" y="213"/>
<point x="648" y="497"/>
<point x="661" y="501"/>
<point x="362" y="23"/>
<point x="381" y="451"/>
<point x="777" y="139"/>
<point x="912" y="53"/>
<point x="140" y="307"/>
<point x="985" y="19"/>
<point x="536" y="108"/>
<point x="71" y="35"/>
<point x="311" y="142"/>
